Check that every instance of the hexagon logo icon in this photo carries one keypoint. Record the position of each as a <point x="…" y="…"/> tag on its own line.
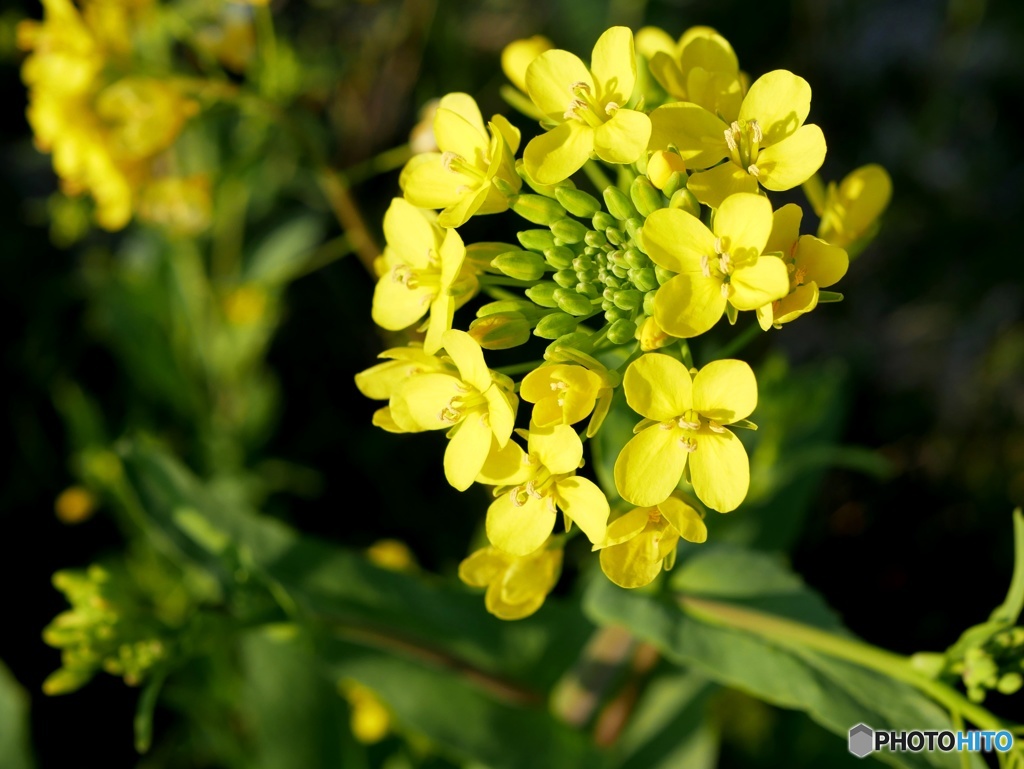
<point x="862" y="740"/>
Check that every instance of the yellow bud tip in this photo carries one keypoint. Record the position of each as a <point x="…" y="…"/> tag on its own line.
<point x="391" y="554"/>
<point x="74" y="505"/>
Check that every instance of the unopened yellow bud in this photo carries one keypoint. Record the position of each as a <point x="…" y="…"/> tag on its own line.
<point x="662" y="165"/>
<point x="651" y="335"/>
<point x="500" y="330"/>
<point x="519" y="54"/>
<point x="74" y="505"/>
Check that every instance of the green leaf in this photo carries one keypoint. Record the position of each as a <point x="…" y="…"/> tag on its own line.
<point x="144" y="713"/>
<point x="835" y="693"/>
<point x="460" y="716"/>
<point x="15" y="750"/>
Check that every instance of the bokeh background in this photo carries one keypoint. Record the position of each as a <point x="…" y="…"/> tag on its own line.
<point x="928" y="347"/>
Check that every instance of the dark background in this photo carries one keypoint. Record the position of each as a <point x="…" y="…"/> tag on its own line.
<point x="931" y="332"/>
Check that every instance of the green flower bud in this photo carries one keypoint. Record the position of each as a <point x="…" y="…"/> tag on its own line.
<point x="663" y="275"/>
<point x="577" y="202"/>
<point x="582" y="262"/>
<point x="501" y="330"/>
<point x="521" y="265"/>
<point x="636" y="259"/>
<point x="607" y="305"/>
<point x="573" y="303"/>
<point x="569" y="230"/>
<point x="536" y="240"/>
<point x="645" y="196"/>
<point x="587" y="289"/>
<point x="622" y="331"/>
<point x="633" y="226"/>
<point x="565" y="278"/>
<point x="614" y="313"/>
<point x="628" y="299"/>
<point x="559" y="257"/>
<point x="505" y="305"/>
<point x="676" y="182"/>
<point x="538" y="209"/>
<point x="644" y="279"/>
<point x="649" y="302"/>
<point x="595" y="239"/>
<point x="615" y="236"/>
<point x="577" y="339"/>
<point x="684" y="199"/>
<point x="620" y="272"/>
<point x="554" y="325"/>
<point x="618" y="204"/>
<point x="603" y="220"/>
<point x="543" y="294"/>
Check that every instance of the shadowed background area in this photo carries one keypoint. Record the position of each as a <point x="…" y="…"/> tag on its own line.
<point x="927" y="349"/>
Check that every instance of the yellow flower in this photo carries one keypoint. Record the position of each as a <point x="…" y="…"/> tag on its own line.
<point x="701" y="68"/>
<point x="536" y="484"/>
<point x="853" y="209"/>
<point x="474" y="173"/>
<point x="182" y="204"/>
<point x="564" y="394"/>
<point x="421" y="271"/>
<point x="516" y="585"/>
<point x="726" y="266"/>
<point x="380" y="382"/>
<point x="518" y="55"/>
<point x="768" y="143"/>
<point x="685" y="420"/>
<point x="142" y="116"/>
<point x="812" y="264"/>
<point x="476" y="406"/>
<point x="370" y="719"/>
<point x="586" y="107"/>
<point x="641" y="542"/>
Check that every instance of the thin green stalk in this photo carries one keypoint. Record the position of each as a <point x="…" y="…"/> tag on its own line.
<point x="519" y="368"/>
<point x="388" y="160"/>
<point x="797" y="635"/>
<point x="748" y="335"/>
<point x="597" y="175"/>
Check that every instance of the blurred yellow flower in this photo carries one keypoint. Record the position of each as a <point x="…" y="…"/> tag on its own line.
<point x="370" y="719"/>
<point x="853" y="209"/>
<point x="516" y="585"/>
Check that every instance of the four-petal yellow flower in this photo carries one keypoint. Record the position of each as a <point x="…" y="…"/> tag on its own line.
<point x="686" y="422"/>
<point x="587" y="108"/>
<point x="716" y="267"/>
<point x="516" y="585"/>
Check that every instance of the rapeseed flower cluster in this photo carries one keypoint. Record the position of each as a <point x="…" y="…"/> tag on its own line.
<point x="110" y="128"/>
<point x="619" y="281"/>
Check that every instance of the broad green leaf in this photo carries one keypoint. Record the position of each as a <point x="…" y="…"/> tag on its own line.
<point x="15" y="750"/>
<point x="835" y="693"/>
<point x="462" y="716"/>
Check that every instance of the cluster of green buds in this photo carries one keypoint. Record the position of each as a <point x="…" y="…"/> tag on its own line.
<point x="619" y="280"/>
<point x="997" y="665"/>
<point x="108" y="627"/>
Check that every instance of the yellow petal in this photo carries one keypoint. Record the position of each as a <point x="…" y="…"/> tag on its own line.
<point x="651" y="40"/>
<point x="549" y="79"/>
<point x="380" y="381"/>
<point x="666" y="71"/>
<point x="624" y="527"/>
<point x="758" y="284"/>
<point x="704" y="47"/>
<point x="468" y="358"/>
<point x="623" y="138"/>
<point x="779" y="101"/>
<point x="428" y="184"/>
<point x="418" y="404"/>
<point x="719" y="470"/>
<point x="456" y="134"/>
<point x="500" y="126"/>
<point x="500" y="413"/>
<point x="518" y="55"/>
<point x="821" y="263"/>
<point x="689" y="304"/>
<point x="558" y="448"/>
<point x="585" y="504"/>
<point x="785" y="229"/>
<point x="442" y="310"/>
<point x="520" y="530"/>
<point x="508" y="466"/>
<point x="483" y="567"/>
<point x="721" y="93"/>
<point x="468" y="204"/>
<point x="613" y="65"/>
<point x="409" y="234"/>
<point x="793" y="160"/>
<point x="559" y="153"/>
<point x="467" y="450"/>
<point x="713" y="186"/>
<point x="532" y="577"/>
<point x="744" y="222"/>
<point x="658" y="387"/>
<point x="684" y="519"/>
<point x="801" y="301"/>
<point x="382" y="418"/>
<point x="696" y="133"/>
<point x="634" y="563"/>
<point x="496" y="604"/>
<point x="725" y="391"/>
<point x="396" y="306"/>
<point x="463" y="105"/>
<point x="855" y="206"/>
<point x="677" y="241"/>
<point x="649" y="467"/>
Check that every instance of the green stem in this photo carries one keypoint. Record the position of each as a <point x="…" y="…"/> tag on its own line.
<point x="519" y="368"/>
<point x="597" y="175"/>
<point x="797" y="635"/>
<point x="496" y="280"/>
<point x="749" y="334"/>
<point x="388" y="160"/>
